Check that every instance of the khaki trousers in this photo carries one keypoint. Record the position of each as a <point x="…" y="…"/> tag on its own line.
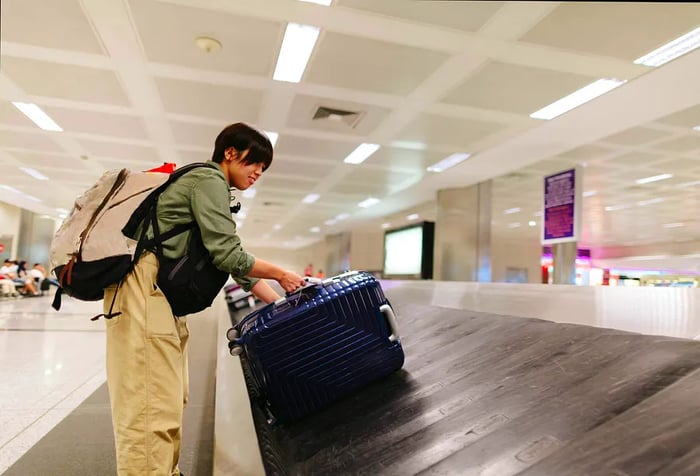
<point x="146" y="374"/>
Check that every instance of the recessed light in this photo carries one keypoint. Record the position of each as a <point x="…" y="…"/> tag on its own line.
<point x="513" y="225"/>
<point x="654" y="178"/>
<point x="672" y="50"/>
<point x="673" y="225"/>
<point x="311" y="198"/>
<point x="510" y="211"/>
<point x="326" y="3"/>
<point x="342" y="216"/>
<point x="448" y="162"/>
<point x="371" y="201"/>
<point x="650" y="202"/>
<point x="298" y="43"/>
<point x="532" y="223"/>
<point x="386" y="225"/>
<point x="273" y="136"/>
<point x="412" y="216"/>
<point x="277" y="227"/>
<point x="34" y="173"/>
<point x="577" y="98"/>
<point x="361" y="153"/>
<point x="38" y="117"/>
<point x="590" y="193"/>
<point x="208" y="44"/>
<point x="315" y="229"/>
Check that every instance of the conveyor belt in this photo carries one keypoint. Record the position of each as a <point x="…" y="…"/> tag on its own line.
<point x="496" y="395"/>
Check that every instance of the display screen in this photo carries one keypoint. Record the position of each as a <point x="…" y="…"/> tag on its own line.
<point x="403" y="251"/>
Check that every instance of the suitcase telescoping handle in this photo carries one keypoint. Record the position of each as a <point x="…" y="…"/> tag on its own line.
<point x="310" y="280"/>
<point x="388" y="313"/>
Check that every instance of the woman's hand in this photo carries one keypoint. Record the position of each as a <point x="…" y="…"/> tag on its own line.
<point x="291" y="281"/>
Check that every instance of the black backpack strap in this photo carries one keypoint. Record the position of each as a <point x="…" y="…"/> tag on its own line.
<point x="56" y="304"/>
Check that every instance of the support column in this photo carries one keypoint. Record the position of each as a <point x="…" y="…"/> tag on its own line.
<point x="564" y="262"/>
<point x="463" y="234"/>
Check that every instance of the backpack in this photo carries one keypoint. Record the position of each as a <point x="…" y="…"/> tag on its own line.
<point x="105" y="234"/>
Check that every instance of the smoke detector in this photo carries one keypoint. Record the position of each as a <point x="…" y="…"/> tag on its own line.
<point x="337" y="116"/>
<point x="208" y="44"/>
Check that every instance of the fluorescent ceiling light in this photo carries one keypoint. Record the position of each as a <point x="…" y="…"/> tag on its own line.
<point x="249" y="193"/>
<point x="532" y="223"/>
<point x="510" y="211"/>
<point x="330" y="222"/>
<point x="654" y="178"/>
<point x="371" y="201"/>
<point x="513" y="225"/>
<point x="688" y="184"/>
<point x="10" y="189"/>
<point x="696" y="128"/>
<point x="315" y="229"/>
<point x="537" y="214"/>
<point x="39" y="117"/>
<point x="575" y="99"/>
<point x="311" y="198"/>
<point x="297" y="45"/>
<point x="361" y="154"/>
<point x="318" y="2"/>
<point x="412" y="216"/>
<point x="673" y="225"/>
<point x="589" y="193"/>
<point x="33" y="199"/>
<point x="448" y="162"/>
<point x="613" y="208"/>
<point x="277" y="227"/>
<point x="342" y="216"/>
<point x="63" y="216"/>
<point x="386" y="225"/>
<point x="650" y="202"/>
<point x="273" y="136"/>
<point x="34" y="173"/>
<point x="672" y="50"/>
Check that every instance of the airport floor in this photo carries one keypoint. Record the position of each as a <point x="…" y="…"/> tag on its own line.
<point x="499" y="379"/>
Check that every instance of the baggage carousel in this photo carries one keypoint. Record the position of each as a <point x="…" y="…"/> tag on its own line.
<point x="488" y="394"/>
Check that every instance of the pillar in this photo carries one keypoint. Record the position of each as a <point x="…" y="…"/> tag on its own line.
<point x="564" y="263"/>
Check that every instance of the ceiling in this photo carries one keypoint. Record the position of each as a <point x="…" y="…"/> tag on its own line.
<point x="130" y="88"/>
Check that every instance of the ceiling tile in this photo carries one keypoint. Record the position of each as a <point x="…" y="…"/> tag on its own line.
<point x="396" y="158"/>
<point x="676" y="166"/>
<point x="633" y="159"/>
<point x="30" y="75"/>
<point x="200" y="135"/>
<point x="360" y="63"/>
<point x="118" y="150"/>
<point x="168" y="31"/>
<point x="436" y="130"/>
<point x="191" y="156"/>
<point x="636" y="136"/>
<point x="37" y="160"/>
<point x="304" y="108"/>
<point x="27" y="140"/>
<point x="687" y="118"/>
<point x="332" y="151"/>
<point x="59" y="24"/>
<point x="269" y="181"/>
<point x="682" y="144"/>
<point x="588" y="152"/>
<point x="617" y="29"/>
<point x="513" y="88"/>
<point x="469" y="16"/>
<point x="206" y="100"/>
<point x="98" y="123"/>
<point x="289" y="166"/>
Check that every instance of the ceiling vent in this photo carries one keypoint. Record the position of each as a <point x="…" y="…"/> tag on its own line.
<point x="338" y="116"/>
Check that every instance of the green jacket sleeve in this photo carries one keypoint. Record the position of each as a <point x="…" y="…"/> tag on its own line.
<point x="210" y="207"/>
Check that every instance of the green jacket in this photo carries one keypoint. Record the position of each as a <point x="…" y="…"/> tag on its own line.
<point x="202" y="195"/>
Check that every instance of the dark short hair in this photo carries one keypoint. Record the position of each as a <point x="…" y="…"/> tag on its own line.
<point x="242" y="137"/>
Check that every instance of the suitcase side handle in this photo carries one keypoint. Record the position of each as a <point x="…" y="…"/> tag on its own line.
<point x="390" y="317"/>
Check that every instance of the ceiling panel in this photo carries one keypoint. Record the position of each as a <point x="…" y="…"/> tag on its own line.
<point x="289" y="166"/>
<point x="436" y="130"/>
<point x="37" y="160"/>
<point x="618" y="29"/>
<point x="332" y="151"/>
<point x="57" y="24"/>
<point x="632" y="159"/>
<point x="191" y="156"/>
<point x="117" y="150"/>
<point x="690" y="142"/>
<point x="172" y="41"/>
<point x="514" y="88"/>
<point x="207" y="100"/>
<point x="30" y="75"/>
<point x="364" y="64"/>
<point x="636" y="136"/>
<point x="88" y="122"/>
<point x="304" y="107"/>
<point x="199" y="135"/>
<point x="469" y="16"/>
<point x="299" y="183"/>
<point x="687" y="118"/>
<point x="28" y="140"/>
<point x="589" y="152"/>
<point x="395" y="158"/>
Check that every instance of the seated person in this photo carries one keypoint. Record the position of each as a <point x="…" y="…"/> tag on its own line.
<point x="23" y="277"/>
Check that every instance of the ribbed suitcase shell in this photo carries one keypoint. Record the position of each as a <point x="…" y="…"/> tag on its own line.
<point x="319" y="344"/>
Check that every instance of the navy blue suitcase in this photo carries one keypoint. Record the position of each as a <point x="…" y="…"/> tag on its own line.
<point x="319" y="344"/>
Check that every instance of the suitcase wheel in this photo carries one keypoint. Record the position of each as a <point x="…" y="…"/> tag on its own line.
<point x="236" y="350"/>
<point x="232" y="334"/>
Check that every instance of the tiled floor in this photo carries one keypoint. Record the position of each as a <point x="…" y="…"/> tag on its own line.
<point x="51" y="362"/>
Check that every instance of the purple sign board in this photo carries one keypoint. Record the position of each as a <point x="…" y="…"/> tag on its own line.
<point x="562" y="207"/>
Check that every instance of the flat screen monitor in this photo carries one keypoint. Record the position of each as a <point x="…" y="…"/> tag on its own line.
<point x="408" y="252"/>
